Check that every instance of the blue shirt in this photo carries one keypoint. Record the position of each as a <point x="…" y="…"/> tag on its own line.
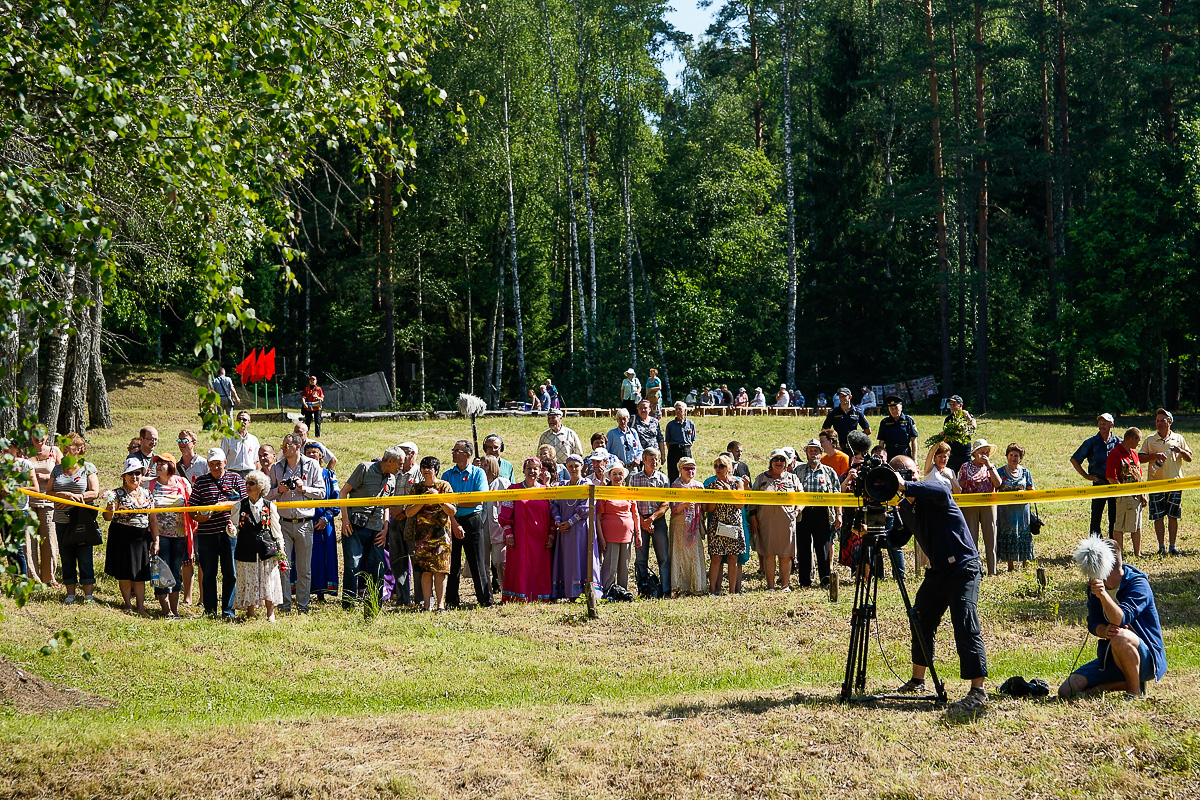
<point x="470" y="479"/>
<point x="895" y="433"/>
<point x="938" y="525"/>
<point x="1136" y="600"/>
<point x="625" y="445"/>
<point x="845" y="421"/>
<point x="1096" y="451"/>
<point x="681" y="434"/>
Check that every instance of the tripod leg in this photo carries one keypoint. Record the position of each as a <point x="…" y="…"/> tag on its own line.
<point x="915" y="623"/>
<point x="857" y="621"/>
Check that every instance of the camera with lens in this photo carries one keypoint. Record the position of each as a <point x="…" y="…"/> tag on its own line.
<point x="292" y="483"/>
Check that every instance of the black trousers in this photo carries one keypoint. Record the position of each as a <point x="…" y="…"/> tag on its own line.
<point x="955" y="589"/>
<point x="814" y="531"/>
<point x="399" y="552"/>
<point x="309" y="415"/>
<point x="674" y="453"/>
<point x="472" y="545"/>
<point x="1098" y="512"/>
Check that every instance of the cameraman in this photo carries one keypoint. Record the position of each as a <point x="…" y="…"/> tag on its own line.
<point x="952" y="582"/>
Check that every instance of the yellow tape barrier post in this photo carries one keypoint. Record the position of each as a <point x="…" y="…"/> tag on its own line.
<point x="593" y="493"/>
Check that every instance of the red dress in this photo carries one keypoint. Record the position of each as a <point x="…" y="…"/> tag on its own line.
<point x="527" y="562"/>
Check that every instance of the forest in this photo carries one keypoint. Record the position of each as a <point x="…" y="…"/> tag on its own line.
<point x="473" y="196"/>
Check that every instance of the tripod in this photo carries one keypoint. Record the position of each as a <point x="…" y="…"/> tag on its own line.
<point x="866" y="590"/>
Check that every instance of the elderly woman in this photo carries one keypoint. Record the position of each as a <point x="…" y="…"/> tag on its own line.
<point x="258" y="554"/>
<point x="42" y="556"/>
<point x="430" y="534"/>
<point x="528" y="538"/>
<point x="774" y="526"/>
<point x="573" y="567"/>
<point x="979" y="476"/>
<point x="170" y="539"/>
<point x="618" y="532"/>
<point x="1014" y="538"/>
<point x="77" y="533"/>
<point x="127" y="557"/>
<point x="687" y="535"/>
<point x="725" y="534"/>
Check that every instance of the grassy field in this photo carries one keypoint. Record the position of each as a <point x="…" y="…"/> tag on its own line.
<point x="699" y="697"/>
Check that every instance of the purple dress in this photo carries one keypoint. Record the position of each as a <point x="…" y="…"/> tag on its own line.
<point x="570" y="550"/>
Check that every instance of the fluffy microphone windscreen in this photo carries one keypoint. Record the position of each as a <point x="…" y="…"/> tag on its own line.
<point x="1094" y="558"/>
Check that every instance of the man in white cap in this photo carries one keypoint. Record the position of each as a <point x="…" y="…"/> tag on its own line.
<point x="782" y="398"/>
<point x="215" y="530"/>
<point x="1095" y="450"/>
<point x="631" y="391"/>
<point x="399" y="551"/>
<point x="1165" y="451"/>
<point x="564" y="440"/>
<point x="815" y="525"/>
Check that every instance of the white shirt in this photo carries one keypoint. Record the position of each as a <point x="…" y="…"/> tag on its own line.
<point x="784" y="399"/>
<point x="491" y="511"/>
<point x="241" y="453"/>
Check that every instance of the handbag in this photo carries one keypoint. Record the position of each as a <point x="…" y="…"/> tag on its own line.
<point x="82" y="527"/>
<point x="729" y="531"/>
<point x="1035" y="522"/>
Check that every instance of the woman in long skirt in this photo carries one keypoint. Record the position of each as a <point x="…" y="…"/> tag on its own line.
<point x="1014" y="538"/>
<point x="258" y="578"/>
<point x="326" y="560"/>
<point x="571" y="563"/>
<point x="528" y="537"/>
<point x="687" y="536"/>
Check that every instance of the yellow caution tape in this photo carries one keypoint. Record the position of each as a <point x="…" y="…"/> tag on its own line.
<point x="647" y="494"/>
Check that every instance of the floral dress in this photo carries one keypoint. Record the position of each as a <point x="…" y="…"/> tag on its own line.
<point x="432" y="544"/>
<point x="1014" y="539"/>
<point x="687" y="544"/>
<point x="721" y="546"/>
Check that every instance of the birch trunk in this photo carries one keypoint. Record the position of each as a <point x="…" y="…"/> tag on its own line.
<point x="99" y="411"/>
<point x="787" y="43"/>
<point x="589" y="324"/>
<point x="512" y="243"/>
<point x="56" y="352"/>
<point x="662" y="358"/>
<point x="940" y="188"/>
<point x="629" y="261"/>
<point x="73" y="413"/>
<point x="28" y="379"/>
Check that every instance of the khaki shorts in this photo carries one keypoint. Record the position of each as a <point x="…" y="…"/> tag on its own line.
<point x="1129" y="514"/>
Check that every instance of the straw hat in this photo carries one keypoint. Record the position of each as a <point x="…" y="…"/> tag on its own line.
<point x="982" y="444"/>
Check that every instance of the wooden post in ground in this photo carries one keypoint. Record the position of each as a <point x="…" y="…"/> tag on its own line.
<point x="1041" y="577"/>
<point x="833" y="585"/>
<point x="592" y="610"/>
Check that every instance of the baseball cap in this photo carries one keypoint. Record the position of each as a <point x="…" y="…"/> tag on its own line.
<point x="844" y="391"/>
<point x="813" y="443"/>
<point x="955" y="398"/>
<point x="409" y="446"/>
<point x="164" y="457"/>
<point x="554" y="412"/>
<point x="215" y="454"/>
<point x="1107" y="417"/>
<point x="1170" y="417"/>
<point x="599" y="454"/>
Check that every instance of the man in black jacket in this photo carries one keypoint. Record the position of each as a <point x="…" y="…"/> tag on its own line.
<point x="952" y="582"/>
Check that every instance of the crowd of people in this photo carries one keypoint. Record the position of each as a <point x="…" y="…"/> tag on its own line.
<point x="529" y="550"/>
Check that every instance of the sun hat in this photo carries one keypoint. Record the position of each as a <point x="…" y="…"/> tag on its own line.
<point x="215" y="454"/>
<point x="779" y="452"/>
<point x="813" y="443"/>
<point x="599" y="454"/>
<point x="554" y="412"/>
<point x="982" y="444"/>
<point x="574" y="457"/>
<point x="133" y="465"/>
<point x="630" y="371"/>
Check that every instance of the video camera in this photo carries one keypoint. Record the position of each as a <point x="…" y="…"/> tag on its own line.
<point x="876" y="483"/>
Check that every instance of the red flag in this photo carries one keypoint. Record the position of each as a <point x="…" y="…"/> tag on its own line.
<point x="246" y="369"/>
<point x="266" y="365"/>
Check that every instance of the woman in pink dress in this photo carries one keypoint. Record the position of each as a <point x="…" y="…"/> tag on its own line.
<point x="528" y="536"/>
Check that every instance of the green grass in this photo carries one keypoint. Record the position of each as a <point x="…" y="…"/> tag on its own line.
<point x="694" y="697"/>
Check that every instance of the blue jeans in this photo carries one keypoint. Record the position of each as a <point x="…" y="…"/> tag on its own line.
<point x="172" y="549"/>
<point x="662" y="553"/>
<point x="896" y="554"/>
<point x="16" y="555"/>
<point x="213" y="549"/>
<point x="360" y="555"/>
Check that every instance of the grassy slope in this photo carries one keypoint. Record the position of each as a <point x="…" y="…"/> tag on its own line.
<point x="695" y="697"/>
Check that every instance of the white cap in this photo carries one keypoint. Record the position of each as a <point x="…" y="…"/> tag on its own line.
<point x="133" y="465"/>
<point x="554" y="412"/>
<point x="410" y="446"/>
<point x="1107" y="417"/>
<point x="599" y="454"/>
<point x="216" y="454"/>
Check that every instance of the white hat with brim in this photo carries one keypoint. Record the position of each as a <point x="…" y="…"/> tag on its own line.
<point x="215" y="454"/>
<point x="813" y="443"/>
<point x="779" y="452"/>
<point x="133" y="465"/>
<point x="410" y="447"/>
<point x="599" y="454"/>
<point x="630" y="371"/>
<point x="554" y="412"/>
<point x="982" y="444"/>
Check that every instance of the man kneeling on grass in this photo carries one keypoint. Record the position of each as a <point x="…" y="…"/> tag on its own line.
<point x="1121" y="612"/>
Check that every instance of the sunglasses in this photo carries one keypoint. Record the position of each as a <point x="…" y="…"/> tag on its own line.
<point x="183" y="441"/>
<point x="778" y="459"/>
<point x="720" y="466"/>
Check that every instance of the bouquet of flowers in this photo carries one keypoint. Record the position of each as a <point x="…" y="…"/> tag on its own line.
<point x="959" y="429"/>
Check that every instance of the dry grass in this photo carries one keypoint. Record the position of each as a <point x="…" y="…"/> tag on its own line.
<point x="700" y="697"/>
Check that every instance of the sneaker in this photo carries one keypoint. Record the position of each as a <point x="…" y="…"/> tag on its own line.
<point x="912" y="686"/>
<point x="970" y="706"/>
<point x="786" y="589"/>
<point x="69" y="599"/>
<point x="87" y="598"/>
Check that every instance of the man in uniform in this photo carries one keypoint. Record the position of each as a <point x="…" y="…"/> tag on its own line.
<point x="898" y="431"/>
<point x="845" y="418"/>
